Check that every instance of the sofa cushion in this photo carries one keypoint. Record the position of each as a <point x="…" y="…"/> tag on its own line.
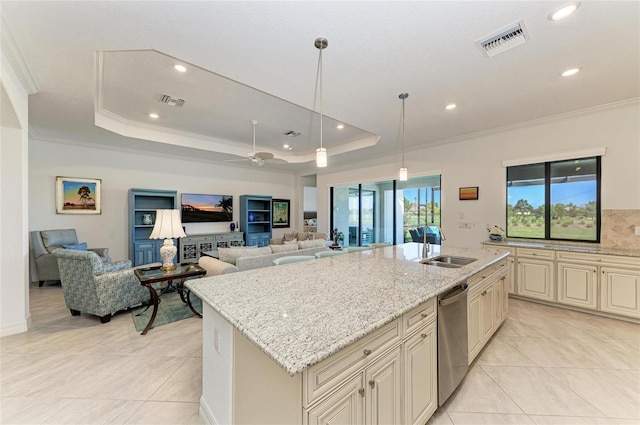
<point x="276" y="241"/>
<point x="311" y="243"/>
<point x="276" y="249"/>
<point x="288" y="237"/>
<point x="230" y="255"/>
<point x="78" y="247"/>
<point x="215" y="267"/>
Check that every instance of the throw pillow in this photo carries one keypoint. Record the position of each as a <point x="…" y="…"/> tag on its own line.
<point x="303" y="236"/>
<point x="293" y="241"/>
<point x="276" y="241"/>
<point x="288" y="237"/>
<point x="77" y="247"/>
<point x="229" y="255"/>
<point x="310" y="244"/>
<point x="276" y="249"/>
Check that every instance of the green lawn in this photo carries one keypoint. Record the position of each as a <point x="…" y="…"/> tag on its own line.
<point x="557" y="232"/>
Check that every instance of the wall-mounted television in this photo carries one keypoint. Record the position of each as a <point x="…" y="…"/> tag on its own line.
<point x="198" y="208"/>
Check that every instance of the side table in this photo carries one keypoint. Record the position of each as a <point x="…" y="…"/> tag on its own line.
<point x="149" y="276"/>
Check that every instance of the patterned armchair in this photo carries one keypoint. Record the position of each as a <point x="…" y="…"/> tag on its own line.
<point x="42" y="244"/>
<point x="91" y="286"/>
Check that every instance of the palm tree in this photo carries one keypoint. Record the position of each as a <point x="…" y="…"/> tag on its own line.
<point x="85" y="195"/>
<point x="226" y="203"/>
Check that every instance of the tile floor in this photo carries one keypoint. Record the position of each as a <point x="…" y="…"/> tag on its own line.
<point x="545" y="366"/>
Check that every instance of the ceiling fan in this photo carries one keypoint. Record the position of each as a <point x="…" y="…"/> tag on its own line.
<point x="258" y="159"/>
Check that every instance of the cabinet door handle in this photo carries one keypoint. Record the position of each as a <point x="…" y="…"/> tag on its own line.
<point x="361" y="391"/>
<point x="423" y="335"/>
<point x="372" y="383"/>
<point x="598" y="259"/>
<point x="366" y="351"/>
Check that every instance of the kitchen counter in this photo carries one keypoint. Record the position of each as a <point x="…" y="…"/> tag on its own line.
<point x="302" y="313"/>
<point x="564" y="246"/>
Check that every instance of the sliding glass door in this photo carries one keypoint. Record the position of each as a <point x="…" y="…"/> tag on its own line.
<point x="386" y="211"/>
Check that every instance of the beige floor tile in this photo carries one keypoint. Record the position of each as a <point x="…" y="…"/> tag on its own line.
<point x="537" y="392"/>
<point x="613" y="392"/>
<point x="171" y="413"/>
<point x="29" y="410"/>
<point x="479" y="393"/>
<point x="184" y="385"/>
<point x="502" y="352"/>
<point x="570" y="420"/>
<point x="440" y="417"/>
<point x="460" y="418"/>
<point x="94" y="412"/>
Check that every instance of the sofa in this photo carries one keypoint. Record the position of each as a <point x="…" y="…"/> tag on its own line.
<point x="42" y="244"/>
<point x="248" y="258"/>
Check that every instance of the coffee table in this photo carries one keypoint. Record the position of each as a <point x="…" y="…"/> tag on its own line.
<point x="150" y="275"/>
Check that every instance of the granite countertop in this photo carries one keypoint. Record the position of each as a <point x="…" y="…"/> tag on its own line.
<point x="299" y="314"/>
<point x="589" y="248"/>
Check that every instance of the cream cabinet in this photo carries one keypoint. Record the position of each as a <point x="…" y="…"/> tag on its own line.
<point x="535" y="273"/>
<point x="421" y="383"/>
<point x="345" y="406"/>
<point x="487" y="305"/>
<point x="388" y="377"/>
<point x="620" y="291"/>
<point x="511" y="278"/>
<point x="577" y="285"/>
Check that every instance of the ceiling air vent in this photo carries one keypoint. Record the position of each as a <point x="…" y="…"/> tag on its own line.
<point x="292" y="133"/>
<point x="172" y="101"/>
<point x="504" y="39"/>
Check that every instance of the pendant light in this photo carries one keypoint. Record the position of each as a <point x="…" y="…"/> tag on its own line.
<point x="321" y="152"/>
<point x="403" y="169"/>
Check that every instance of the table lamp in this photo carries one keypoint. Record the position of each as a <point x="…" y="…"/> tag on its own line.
<point x="168" y="226"/>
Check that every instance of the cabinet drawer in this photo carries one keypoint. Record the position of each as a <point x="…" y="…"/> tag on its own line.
<point x="329" y="373"/>
<point x="419" y="316"/>
<point x="477" y="278"/>
<point x="596" y="259"/>
<point x="536" y="253"/>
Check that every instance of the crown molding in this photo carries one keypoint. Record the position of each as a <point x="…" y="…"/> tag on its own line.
<point x="14" y="55"/>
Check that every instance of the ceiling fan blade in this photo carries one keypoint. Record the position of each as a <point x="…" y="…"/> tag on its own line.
<point x="276" y="161"/>
<point x="257" y="162"/>
<point x="264" y="155"/>
<point x="237" y="160"/>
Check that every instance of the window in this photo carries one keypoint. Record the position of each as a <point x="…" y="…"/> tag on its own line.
<point x="555" y="200"/>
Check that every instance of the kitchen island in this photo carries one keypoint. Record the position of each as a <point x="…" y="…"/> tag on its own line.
<point x="296" y="343"/>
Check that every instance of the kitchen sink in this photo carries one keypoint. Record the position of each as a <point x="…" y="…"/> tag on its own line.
<point x="448" y="261"/>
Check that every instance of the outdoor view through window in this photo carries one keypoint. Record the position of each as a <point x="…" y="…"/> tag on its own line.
<point x="554" y="200"/>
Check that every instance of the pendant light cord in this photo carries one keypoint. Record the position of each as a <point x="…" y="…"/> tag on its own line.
<point x="321" y="100"/>
<point x="402" y="133"/>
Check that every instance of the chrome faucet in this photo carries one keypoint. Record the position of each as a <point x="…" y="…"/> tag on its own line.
<point x="426" y="246"/>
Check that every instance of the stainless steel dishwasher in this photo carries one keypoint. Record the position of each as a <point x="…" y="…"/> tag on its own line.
<point x="452" y="340"/>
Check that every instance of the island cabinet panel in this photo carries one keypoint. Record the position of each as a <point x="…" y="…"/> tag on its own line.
<point x="577" y="285"/>
<point x="620" y="291"/>
<point x="344" y="407"/>
<point x="383" y="385"/>
<point x="487" y="306"/>
<point x="421" y="381"/>
<point x="326" y="375"/>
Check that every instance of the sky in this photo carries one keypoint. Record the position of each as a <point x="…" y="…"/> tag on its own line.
<point x="579" y="193"/>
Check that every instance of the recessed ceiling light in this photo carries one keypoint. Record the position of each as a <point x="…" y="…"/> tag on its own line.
<point x="180" y="68"/>
<point x="570" y="72"/>
<point x="154" y="116"/>
<point x="340" y="126"/>
<point x="290" y="148"/>
<point x="285" y="146"/>
<point x="450" y="106"/>
<point x="564" y="12"/>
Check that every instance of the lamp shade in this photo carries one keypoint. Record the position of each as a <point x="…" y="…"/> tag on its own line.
<point x="168" y="225"/>
<point x="403" y="174"/>
<point x="321" y="157"/>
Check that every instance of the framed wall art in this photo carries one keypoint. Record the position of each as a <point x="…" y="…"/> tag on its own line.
<point x="78" y="195"/>
<point x="281" y="212"/>
<point x="469" y="193"/>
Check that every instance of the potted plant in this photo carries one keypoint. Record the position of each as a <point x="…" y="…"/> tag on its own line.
<point x="496" y="233"/>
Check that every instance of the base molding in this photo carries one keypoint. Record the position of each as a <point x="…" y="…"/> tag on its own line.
<point x="205" y="413"/>
<point x="15" y="328"/>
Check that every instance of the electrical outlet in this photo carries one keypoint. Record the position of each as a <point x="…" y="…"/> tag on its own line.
<point x="637" y="230"/>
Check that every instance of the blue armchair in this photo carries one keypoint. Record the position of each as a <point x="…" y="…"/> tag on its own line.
<point x="91" y="286"/>
<point x="433" y="235"/>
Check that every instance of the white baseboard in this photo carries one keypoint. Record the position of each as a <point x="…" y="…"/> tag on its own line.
<point x="15" y="328"/>
<point x="206" y="414"/>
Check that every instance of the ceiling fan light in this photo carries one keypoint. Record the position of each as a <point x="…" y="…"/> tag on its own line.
<point x="403" y="174"/>
<point x="321" y="157"/>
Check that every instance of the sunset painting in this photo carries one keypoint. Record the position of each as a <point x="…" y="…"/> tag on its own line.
<point x="77" y="196"/>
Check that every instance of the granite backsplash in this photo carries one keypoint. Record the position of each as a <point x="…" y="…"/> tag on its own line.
<point x="618" y="229"/>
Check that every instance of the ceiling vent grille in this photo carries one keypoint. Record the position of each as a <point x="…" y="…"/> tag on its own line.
<point x="504" y="39"/>
<point x="172" y="101"/>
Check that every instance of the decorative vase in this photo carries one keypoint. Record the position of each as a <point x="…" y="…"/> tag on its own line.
<point x="495" y="237"/>
<point x="251" y="218"/>
<point x="147" y="219"/>
<point x="232" y="226"/>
